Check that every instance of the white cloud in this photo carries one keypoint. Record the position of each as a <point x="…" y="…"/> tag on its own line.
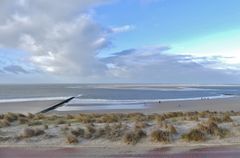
<point x="62" y="41"/>
<point x="60" y="38"/>
<point x="121" y="29"/>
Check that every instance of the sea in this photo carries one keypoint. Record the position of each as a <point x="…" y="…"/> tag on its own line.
<point x="109" y="95"/>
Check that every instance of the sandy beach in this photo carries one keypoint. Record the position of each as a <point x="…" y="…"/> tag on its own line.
<point x="219" y="104"/>
<point x="26" y="106"/>
<point x="53" y="130"/>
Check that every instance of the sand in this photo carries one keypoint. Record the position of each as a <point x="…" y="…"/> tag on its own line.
<point x="99" y="148"/>
<point x="220" y="104"/>
<point x="26" y="106"/>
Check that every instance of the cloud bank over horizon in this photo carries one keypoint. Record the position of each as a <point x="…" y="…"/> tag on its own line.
<point x="47" y="41"/>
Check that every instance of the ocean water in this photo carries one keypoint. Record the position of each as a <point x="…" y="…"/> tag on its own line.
<point x="108" y="95"/>
<point x="104" y="92"/>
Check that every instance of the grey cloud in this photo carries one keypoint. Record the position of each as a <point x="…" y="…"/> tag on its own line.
<point x="124" y="52"/>
<point x="16" y="69"/>
<point x="155" y="65"/>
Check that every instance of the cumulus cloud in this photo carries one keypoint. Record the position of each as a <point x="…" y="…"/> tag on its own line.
<point x="60" y="38"/>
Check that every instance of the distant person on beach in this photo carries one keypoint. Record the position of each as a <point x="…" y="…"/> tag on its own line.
<point x="159" y="101"/>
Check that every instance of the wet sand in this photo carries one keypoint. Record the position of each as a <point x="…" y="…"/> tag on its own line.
<point x="220" y="104"/>
<point x="213" y="152"/>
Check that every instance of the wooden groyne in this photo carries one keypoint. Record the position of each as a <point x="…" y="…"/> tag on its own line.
<point x="56" y="105"/>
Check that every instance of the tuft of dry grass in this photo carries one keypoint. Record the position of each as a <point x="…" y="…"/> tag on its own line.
<point x="160" y="136"/>
<point x="4" y="123"/>
<point x="27" y="133"/>
<point x="39" y="117"/>
<point x="69" y="117"/>
<point x="77" y="132"/>
<point x="140" y="124"/>
<point x="114" y="132"/>
<point x="224" y="118"/>
<point x="193" y="118"/>
<point x="212" y="128"/>
<point x="136" y="117"/>
<point x="45" y="126"/>
<point x="10" y="117"/>
<point x="85" y="118"/>
<point x="172" y="129"/>
<point x="160" y="119"/>
<point x="31" y="132"/>
<point x="134" y="137"/>
<point x="4" y="138"/>
<point x="227" y="118"/>
<point x="64" y="128"/>
<point x="130" y="138"/>
<point x="109" y="118"/>
<point x="89" y="131"/>
<point x="163" y="124"/>
<point x="30" y="115"/>
<point x="23" y="120"/>
<point x="194" y="135"/>
<point x="100" y="132"/>
<point x="71" y="139"/>
<point x="35" y="123"/>
<point x="60" y="121"/>
<point x="38" y="131"/>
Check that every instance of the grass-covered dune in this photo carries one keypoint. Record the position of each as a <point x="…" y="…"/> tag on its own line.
<point x="119" y="128"/>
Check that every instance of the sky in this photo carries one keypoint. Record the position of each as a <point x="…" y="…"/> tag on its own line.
<point x="120" y="41"/>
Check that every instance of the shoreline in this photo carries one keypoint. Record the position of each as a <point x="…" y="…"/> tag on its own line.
<point x="218" y="104"/>
<point x="168" y="105"/>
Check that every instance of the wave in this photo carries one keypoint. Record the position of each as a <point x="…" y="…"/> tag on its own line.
<point x="79" y="100"/>
<point x="147" y="88"/>
<point x="108" y="101"/>
<point x="102" y="107"/>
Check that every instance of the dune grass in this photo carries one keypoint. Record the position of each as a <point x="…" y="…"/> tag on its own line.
<point x="31" y="132"/>
<point x="133" y="137"/>
<point x="160" y="136"/>
<point x="131" y="128"/>
<point x="71" y="139"/>
<point x="194" y="135"/>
